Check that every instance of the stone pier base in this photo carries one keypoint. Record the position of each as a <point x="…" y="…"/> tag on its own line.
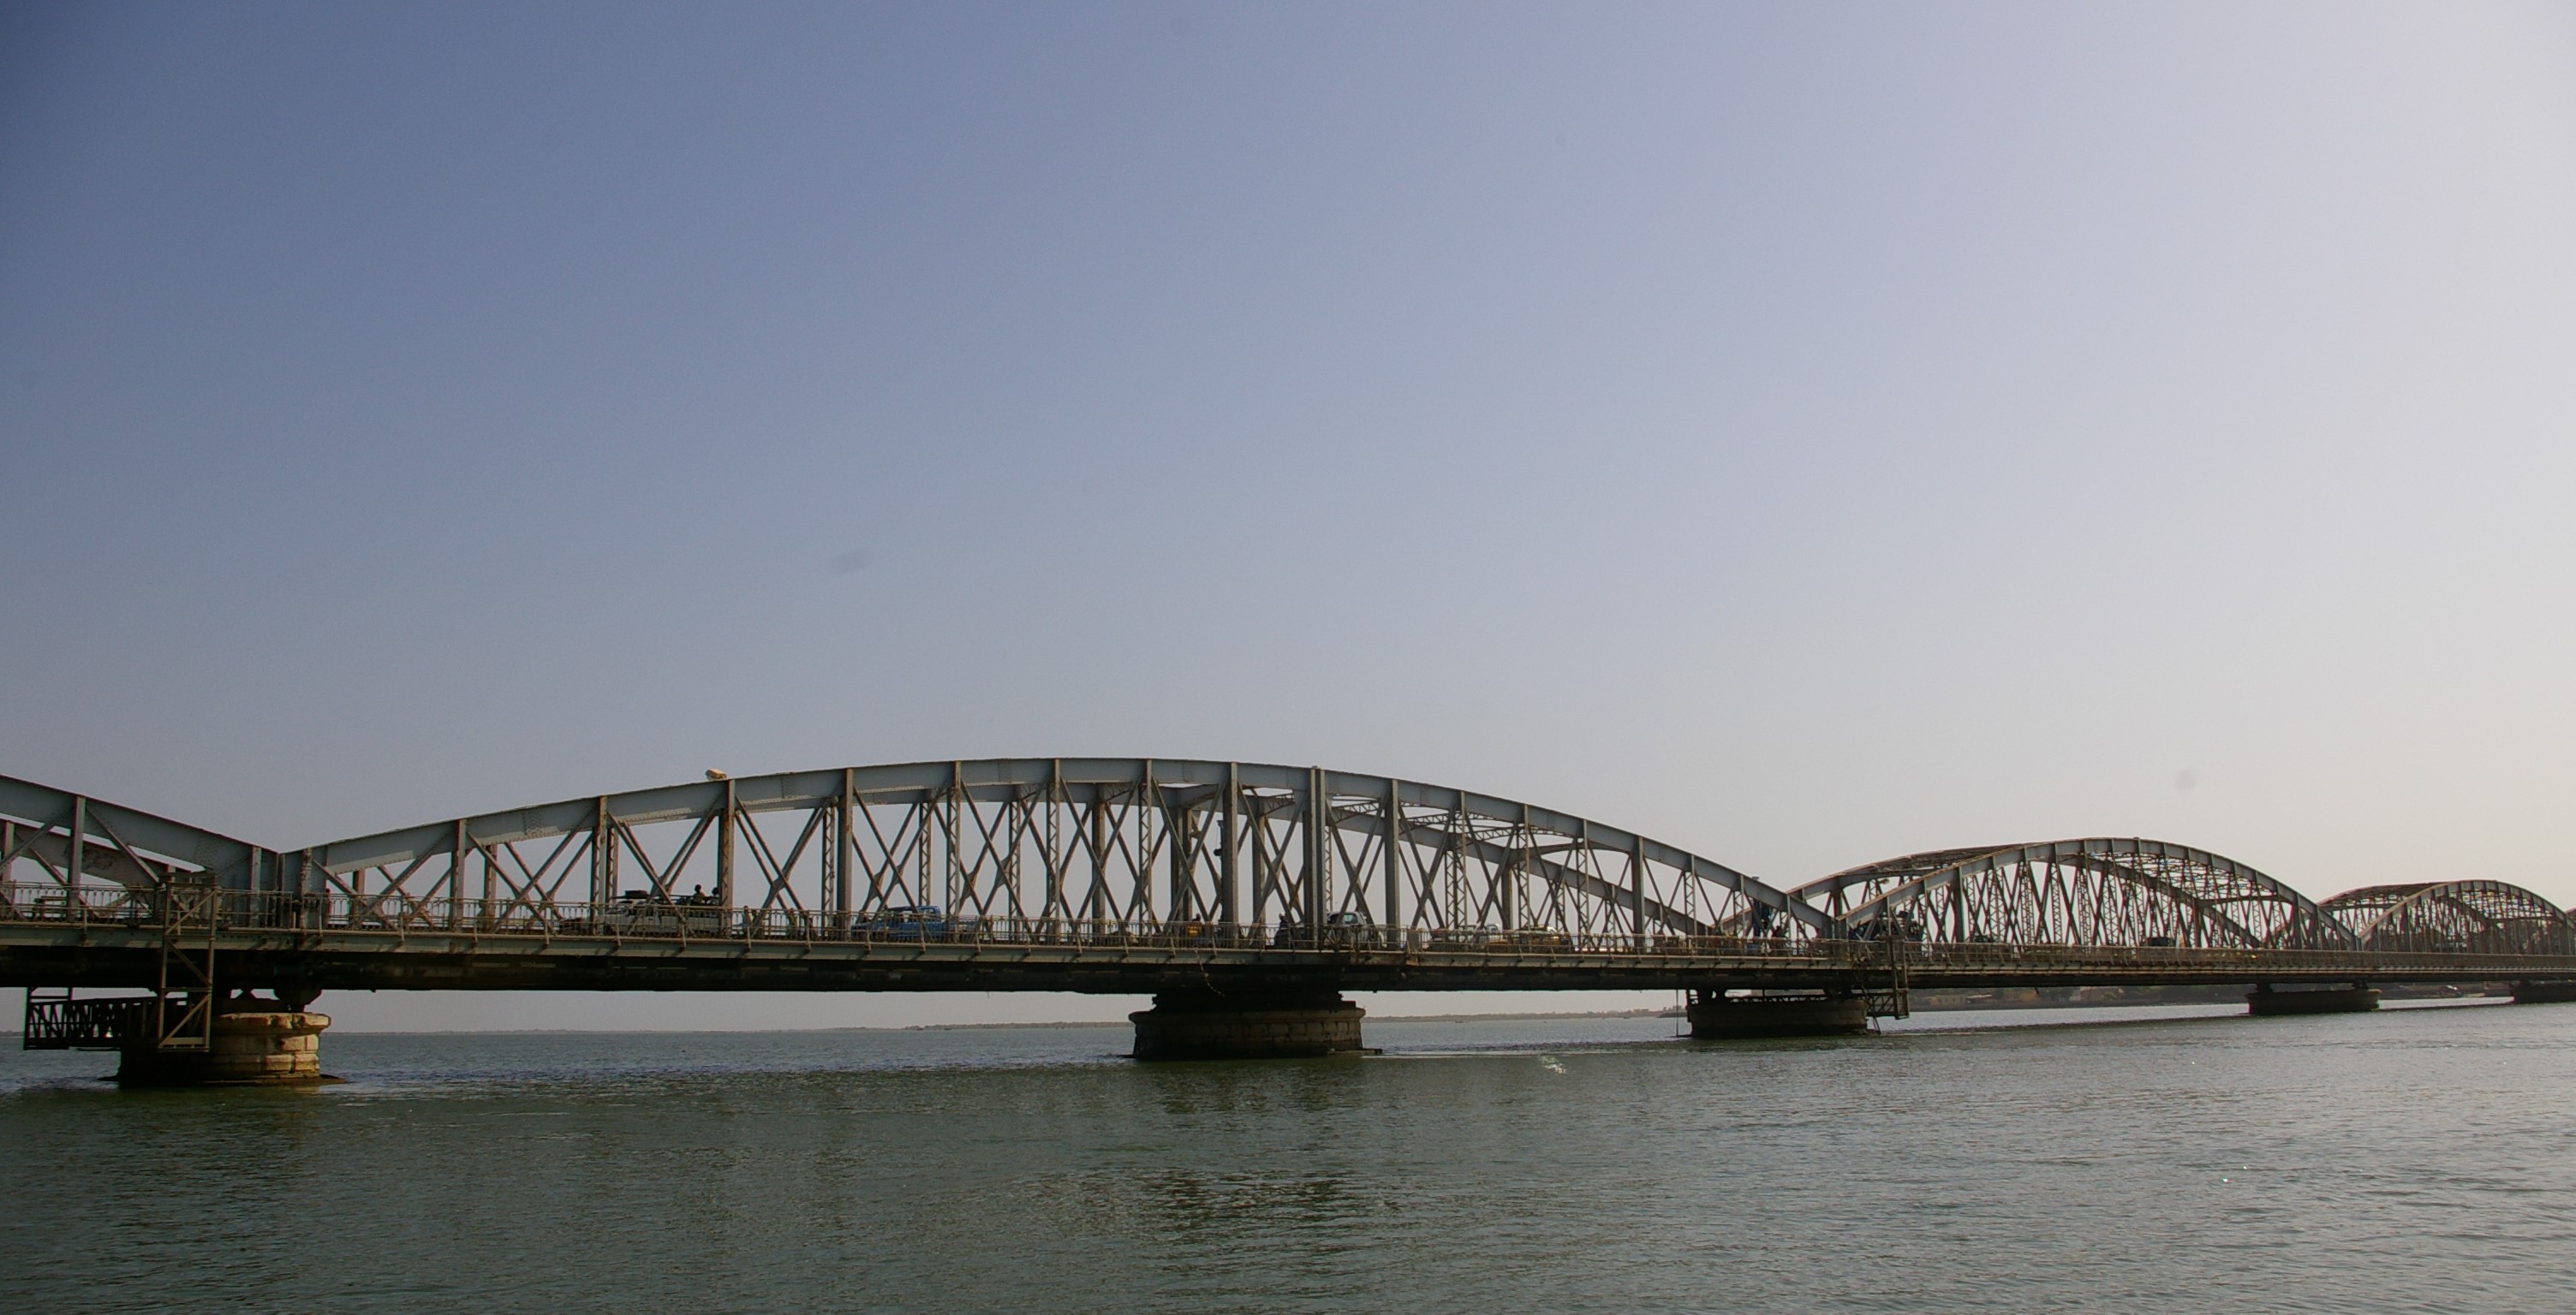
<point x="2264" y="1002"/>
<point x="1210" y="1026"/>
<point x="2544" y="993"/>
<point x="1716" y="1016"/>
<point x="250" y="1047"/>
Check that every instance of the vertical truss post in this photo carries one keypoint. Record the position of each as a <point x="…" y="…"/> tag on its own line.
<point x="1019" y="824"/>
<point x="1453" y="871"/>
<point x="724" y="852"/>
<point x="1055" y="857"/>
<point x="456" y="878"/>
<point x="1176" y="838"/>
<point x="1391" y="862"/>
<point x="1585" y="860"/>
<point x="79" y="844"/>
<point x="1265" y="866"/>
<point x="1229" y="898"/>
<point x="952" y="824"/>
<point x="1057" y="905"/>
<point x="603" y="858"/>
<point x="1095" y="851"/>
<point x="1140" y="859"/>
<point x="1319" y="826"/>
<point x="1637" y="888"/>
<point x="491" y="914"/>
<point x="1147" y="808"/>
<point x="847" y="846"/>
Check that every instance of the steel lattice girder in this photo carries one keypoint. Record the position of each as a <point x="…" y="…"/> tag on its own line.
<point x="2090" y="891"/>
<point x="1155" y="842"/>
<point x="1119" y="840"/>
<point x="2479" y="914"/>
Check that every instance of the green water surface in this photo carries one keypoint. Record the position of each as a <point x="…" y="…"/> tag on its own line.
<point x="2415" y="1159"/>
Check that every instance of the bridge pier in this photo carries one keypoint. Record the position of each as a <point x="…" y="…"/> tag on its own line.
<point x="2543" y="993"/>
<point x="1717" y="1016"/>
<point x="2264" y="1002"/>
<point x="252" y="1042"/>
<point x="1269" y="1025"/>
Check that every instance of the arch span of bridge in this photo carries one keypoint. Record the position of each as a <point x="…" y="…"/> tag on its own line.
<point x="1233" y="888"/>
<point x="1130" y="844"/>
<point x="2475" y="915"/>
<point x="2103" y="891"/>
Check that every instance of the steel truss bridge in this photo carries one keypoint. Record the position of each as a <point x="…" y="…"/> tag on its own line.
<point x="1137" y="876"/>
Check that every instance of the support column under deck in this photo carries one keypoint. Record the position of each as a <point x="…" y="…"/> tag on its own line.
<point x="2544" y="993"/>
<point x="258" y="1043"/>
<point x="1286" y="1025"/>
<point x="2358" y="998"/>
<point x="1717" y="1016"/>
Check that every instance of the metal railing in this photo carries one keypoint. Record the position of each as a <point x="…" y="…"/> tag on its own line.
<point x="69" y="1024"/>
<point x="688" y="919"/>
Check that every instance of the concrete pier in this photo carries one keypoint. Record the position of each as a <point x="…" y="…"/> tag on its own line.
<point x="2264" y="1002"/>
<point x="1716" y="1016"/>
<point x="1205" y="1025"/>
<point x="254" y="1043"/>
<point x="2544" y="993"/>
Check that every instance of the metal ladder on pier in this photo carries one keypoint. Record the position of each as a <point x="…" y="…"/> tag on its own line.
<point x="183" y="1006"/>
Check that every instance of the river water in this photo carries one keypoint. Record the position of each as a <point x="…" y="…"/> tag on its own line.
<point x="2415" y="1159"/>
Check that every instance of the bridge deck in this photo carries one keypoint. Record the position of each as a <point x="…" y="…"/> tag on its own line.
<point x="111" y="954"/>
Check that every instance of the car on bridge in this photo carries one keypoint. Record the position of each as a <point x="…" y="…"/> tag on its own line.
<point x="655" y="913"/>
<point x="1349" y="929"/>
<point x="915" y="922"/>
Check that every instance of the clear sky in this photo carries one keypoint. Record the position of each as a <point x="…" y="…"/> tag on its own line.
<point x="1800" y="433"/>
